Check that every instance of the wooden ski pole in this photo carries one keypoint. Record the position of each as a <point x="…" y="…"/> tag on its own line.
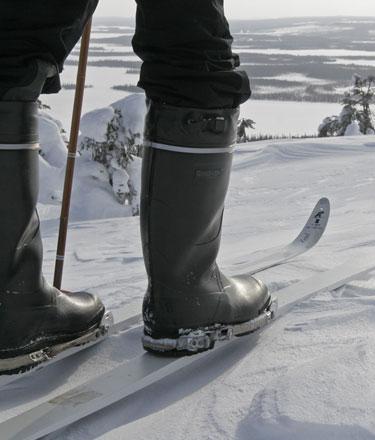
<point x="72" y="152"/>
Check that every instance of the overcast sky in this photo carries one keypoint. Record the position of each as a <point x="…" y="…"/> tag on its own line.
<point x="247" y="9"/>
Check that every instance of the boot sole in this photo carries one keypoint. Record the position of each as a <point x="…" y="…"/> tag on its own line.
<point x="204" y="339"/>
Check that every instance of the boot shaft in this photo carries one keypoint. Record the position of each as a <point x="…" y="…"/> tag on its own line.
<point x="182" y="205"/>
<point x="185" y="177"/>
<point x="21" y="246"/>
<point x="18" y="125"/>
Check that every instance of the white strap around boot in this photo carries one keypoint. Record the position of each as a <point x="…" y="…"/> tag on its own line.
<point x="191" y="150"/>
<point x="34" y="146"/>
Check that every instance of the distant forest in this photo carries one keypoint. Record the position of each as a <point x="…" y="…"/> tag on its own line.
<point x="329" y="73"/>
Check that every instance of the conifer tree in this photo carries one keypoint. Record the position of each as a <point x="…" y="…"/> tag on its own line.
<point x="243" y="126"/>
<point x="356" y="109"/>
<point x="115" y="153"/>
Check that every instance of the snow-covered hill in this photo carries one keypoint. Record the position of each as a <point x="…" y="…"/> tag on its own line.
<point x="97" y="184"/>
<point x="311" y="375"/>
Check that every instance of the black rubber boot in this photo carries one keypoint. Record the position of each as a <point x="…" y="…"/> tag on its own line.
<point x="33" y="315"/>
<point x="186" y="170"/>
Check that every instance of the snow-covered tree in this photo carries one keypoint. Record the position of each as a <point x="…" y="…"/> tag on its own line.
<point x="356" y="110"/>
<point x="116" y="150"/>
<point x="365" y="92"/>
<point x="330" y="126"/>
<point x="242" y="128"/>
<point x="42" y="106"/>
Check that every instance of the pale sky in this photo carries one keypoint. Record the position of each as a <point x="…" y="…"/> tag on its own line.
<point x="248" y="9"/>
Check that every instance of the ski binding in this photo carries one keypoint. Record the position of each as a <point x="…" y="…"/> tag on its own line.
<point x="29" y="361"/>
<point x="194" y="341"/>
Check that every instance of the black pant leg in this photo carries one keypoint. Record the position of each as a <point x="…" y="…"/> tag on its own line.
<point x="187" y="57"/>
<point x="32" y="30"/>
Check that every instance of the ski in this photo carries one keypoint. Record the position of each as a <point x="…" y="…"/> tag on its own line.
<point x="309" y="236"/>
<point x="146" y="369"/>
<point x="125" y="318"/>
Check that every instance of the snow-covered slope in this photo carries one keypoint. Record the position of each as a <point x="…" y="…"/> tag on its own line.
<point x="94" y="193"/>
<point x="311" y="375"/>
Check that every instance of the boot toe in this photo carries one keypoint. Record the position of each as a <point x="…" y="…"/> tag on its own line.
<point x="80" y="310"/>
<point x="249" y="297"/>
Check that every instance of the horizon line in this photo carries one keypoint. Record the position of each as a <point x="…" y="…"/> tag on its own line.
<point x="259" y="18"/>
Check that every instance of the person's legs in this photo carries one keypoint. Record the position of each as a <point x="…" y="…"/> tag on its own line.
<point x="186" y="48"/>
<point x="193" y="90"/>
<point x="35" y="38"/>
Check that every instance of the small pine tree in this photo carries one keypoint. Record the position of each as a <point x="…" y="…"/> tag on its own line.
<point x="365" y="91"/>
<point x="116" y="154"/>
<point x="356" y="109"/>
<point x="348" y="114"/>
<point x="243" y="126"/>
<point x="42" y="106"/>
<point x="329" y="127"/>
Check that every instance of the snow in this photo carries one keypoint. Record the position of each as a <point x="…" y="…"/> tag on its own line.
<point x="353" y="129"/>
<point x="93" y="196"/>
<point x="295" y="76"/>
<point x="101" y="78"/>
<point x="52" y="140"/>
<point x="304" y="29"/>
<point x="285" y="118"/>
<point x="121" y="58"/>
<point x="105" y="34"/>
<point x="310" y="375"/>
<point x="94" y="124"/>
<point x="306" y="52"/>
<point x="353" y="62"/>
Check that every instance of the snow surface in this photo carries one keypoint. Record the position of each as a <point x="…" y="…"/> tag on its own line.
<point x="353" y="129"/>
<point x="304" y="29"/>
<point x="353" y="62"/>
<point x="311" y="375"/>
<point x="93" y="197"/>
<point x="287" y="118"/>
<point x="295" y="76"/>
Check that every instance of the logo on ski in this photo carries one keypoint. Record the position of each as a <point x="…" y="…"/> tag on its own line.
<point x="318" y="217"/>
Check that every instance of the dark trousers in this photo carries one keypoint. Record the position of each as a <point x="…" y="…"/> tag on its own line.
<point x="185" y="46"/>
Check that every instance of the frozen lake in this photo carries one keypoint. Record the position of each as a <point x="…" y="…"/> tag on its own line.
<point x="297" y="81"/>
<point x="271" y="117"/>
<point x="306" y="52"/>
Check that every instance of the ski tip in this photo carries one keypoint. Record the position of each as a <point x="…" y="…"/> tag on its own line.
<point x="323" y="202"/>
